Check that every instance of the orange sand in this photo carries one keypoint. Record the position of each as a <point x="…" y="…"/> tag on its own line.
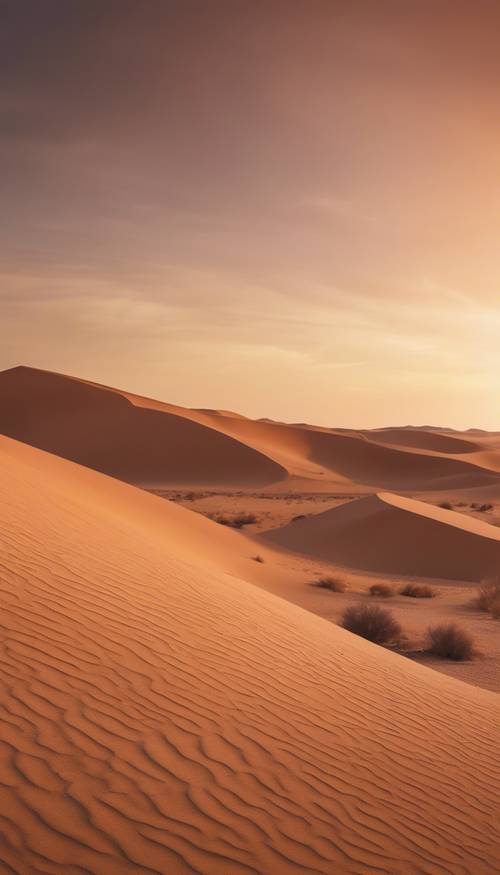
<point x="160" y="714"/>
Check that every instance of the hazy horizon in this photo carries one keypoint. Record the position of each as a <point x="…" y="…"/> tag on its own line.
<point x="286" y="209"/>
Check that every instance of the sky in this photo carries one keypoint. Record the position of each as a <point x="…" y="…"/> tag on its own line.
<point x="287" y="208"/>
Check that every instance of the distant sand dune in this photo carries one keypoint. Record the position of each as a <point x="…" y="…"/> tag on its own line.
<point x="161" y="716"/>
<point x="396" y="535"/>
<point x="424" y="440"/>
<point x="155" y="444"/>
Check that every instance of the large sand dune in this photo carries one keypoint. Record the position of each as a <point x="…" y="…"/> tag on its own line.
<point x="104" y="430"/>
<point x="160" y="715"/>
<point x="155" y="444"/>
<point x="397" y="535"/>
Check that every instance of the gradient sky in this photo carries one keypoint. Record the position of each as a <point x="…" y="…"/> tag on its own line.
<point x="285" y="207"/>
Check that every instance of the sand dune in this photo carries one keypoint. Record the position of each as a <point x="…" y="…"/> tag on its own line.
<point x="155" y="444"/>
<point x="423" y="440"/>
<point x="162" y="716"/>
<point x="396" y="535"/>
<point x="347" y="458"/>
<point x="101" y="428"/>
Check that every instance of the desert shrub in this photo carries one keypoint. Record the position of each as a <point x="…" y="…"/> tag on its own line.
<point x="446" y="505"/>
<point x="238" y="521"/>
<point x="450" y="641"/>
<point x="495" y="609"/>
<point x="485" y="507"/>
<point x="488" y="595"/>
<point x="371" y="622"/>
<point x="257" y="558"/>
<point x="334" y="584"/>
<point x="300" y="516"/>
<point x="418" y="591"/>
<point x="384" y="590"/>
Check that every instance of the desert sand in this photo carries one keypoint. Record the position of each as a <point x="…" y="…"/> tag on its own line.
<point x="162" y="714"/>
<point x="398" y="535"/>
<point x="171" y="705"/>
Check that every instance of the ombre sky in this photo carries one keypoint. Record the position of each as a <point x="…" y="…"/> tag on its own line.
<point x="289" y="208"/>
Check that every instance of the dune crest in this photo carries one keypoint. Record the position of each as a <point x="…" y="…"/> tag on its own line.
<point x="161" y="716"/>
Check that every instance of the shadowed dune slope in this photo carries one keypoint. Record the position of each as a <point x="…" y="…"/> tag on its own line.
<point x="159" y="716"/>
<point x="397" y="535"/>
<point x="102" y="429"/>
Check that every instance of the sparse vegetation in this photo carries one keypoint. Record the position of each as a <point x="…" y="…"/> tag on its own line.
<point x="495" y="609"/>
<point x="334" y="584"/>
<point x="257" y="558"/>
<point x="488" y="598"/>
<point x="237" y="521"/>
<point x="418" y="591"/>
<point x="446" y="505"/>
<point x="300" y="516"/>
<point x="372" y="622"/>
<point x="384" y="590"/>
<point x="484" y="507"/>
<point x="450" y="641"/>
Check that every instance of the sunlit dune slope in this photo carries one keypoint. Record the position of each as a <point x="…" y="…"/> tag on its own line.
<point x="423" y="440"/>
<point x="152" y="443"/>
<point x="102" y="429"/>
<point x="352" y="458"/>
<point x="161" y="716"/>
<point x="389" y="533"/>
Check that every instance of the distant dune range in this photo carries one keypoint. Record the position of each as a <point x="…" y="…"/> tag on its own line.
<point x="154" y="444"/>
<point x="161" y="714"/>
<point x="397" y="535"/>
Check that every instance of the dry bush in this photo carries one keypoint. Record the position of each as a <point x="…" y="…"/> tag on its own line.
<point x="334" y="584"/>
<point x="384" y="590"/>
<point x="485" y="507"/>
<point x="237" y="521"/>
<point x="489" y="595"/>
<point x="446" y="505"/>
<point x="371" y="622"/>
<point x="257" y="558"/>
<point x="495" y="609"/>
<point x="450" y="641"/>
<point x="418" y="591"/>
